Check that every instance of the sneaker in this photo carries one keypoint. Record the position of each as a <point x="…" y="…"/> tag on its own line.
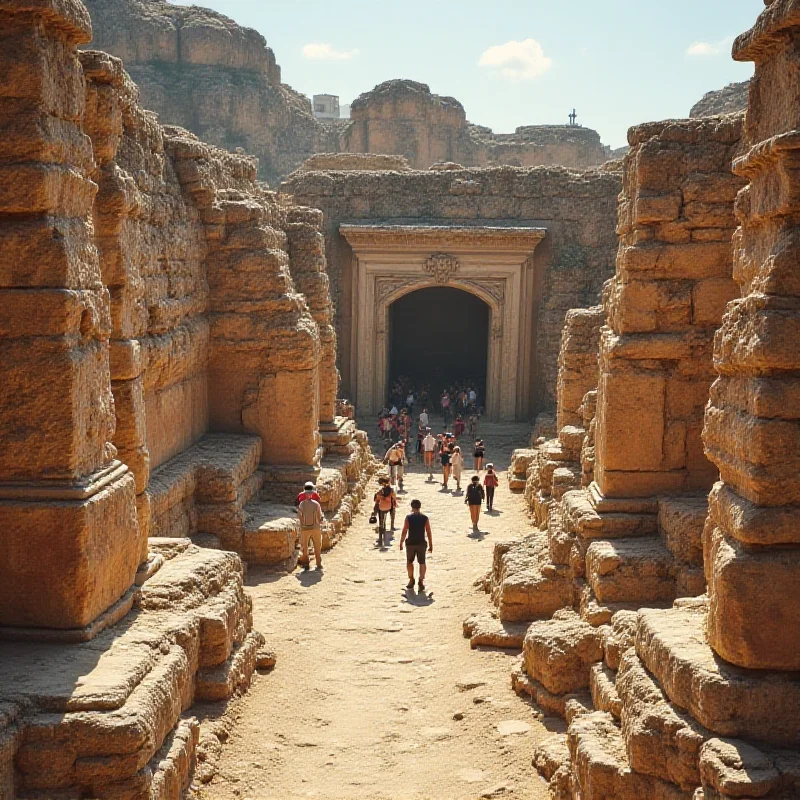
<point x="421" y="586"/>
<point x="410" y="584"/>
<point x="319" y="567"/>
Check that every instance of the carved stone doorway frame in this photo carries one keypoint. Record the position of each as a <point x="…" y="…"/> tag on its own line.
<point x="493" y="263"/>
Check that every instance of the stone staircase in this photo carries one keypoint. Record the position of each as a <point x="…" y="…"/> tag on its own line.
<point x="215" y="492"/>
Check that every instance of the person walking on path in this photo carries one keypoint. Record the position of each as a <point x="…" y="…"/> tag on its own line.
<point x="309" y="511"/>
<point x="445" y="456"/>
<point x="395" y="457"/>
<point x="474" y="500"/>
<point x="478" y="455"/>
<point x="490" y="482"/>
<point x="457" y="465"/>
<point x="473" y="424"/>
<point x="410" y="403"/>
<point x="428" y="447"/>
<point x="385" y="503"/>
<point x="424" y="420"/>
<point x="416" y="529"/>
<point x="458" y="427"/>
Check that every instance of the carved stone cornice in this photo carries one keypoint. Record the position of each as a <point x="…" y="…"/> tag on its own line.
<point x="437" y="237"/>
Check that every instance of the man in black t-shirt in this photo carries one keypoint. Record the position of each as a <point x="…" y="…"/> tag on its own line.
<point x="416" y="529"/>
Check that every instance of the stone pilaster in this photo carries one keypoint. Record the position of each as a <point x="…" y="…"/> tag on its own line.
<point x="68" y="524"/>
<point x="752" y="427"/>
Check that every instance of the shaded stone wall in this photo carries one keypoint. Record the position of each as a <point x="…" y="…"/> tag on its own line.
<point x="71" y="542"/>
<point x="577" y="255"/>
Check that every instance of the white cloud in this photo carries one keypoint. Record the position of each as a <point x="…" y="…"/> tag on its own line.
<point x="517" y="60"/>
<point x="318" y="51"/>
<point x="710" y="48"/>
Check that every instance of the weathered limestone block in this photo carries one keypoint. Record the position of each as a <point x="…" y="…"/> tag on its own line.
<point x="600" y="766"/>
<point x="602" y="685"/>
<point x="680" y="523"/>
<point x="559" y="653"/>
<point x="521" y="460"/>
<point x="620" y="638"/>
<point x="630" y="570"/>
<point x="725" y="699"/>
<point x="577" y="363"/>
<point x="525" y="585"/>
<point x="659" y="741"/>
<point x="488" y="630"/>
<point x="766" y="621"/>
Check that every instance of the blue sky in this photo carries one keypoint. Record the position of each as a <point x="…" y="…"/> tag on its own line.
<point x="513" y="62"/>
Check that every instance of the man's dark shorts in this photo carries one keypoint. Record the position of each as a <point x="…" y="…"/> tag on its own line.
<point x="416" y="551"/>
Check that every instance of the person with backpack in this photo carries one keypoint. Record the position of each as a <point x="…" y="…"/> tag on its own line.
<point x="309" y="512"/>
<point x="385" y="503"/>
<point x="395" y="457"/>
<point x="474" y="499"/>
<point x="490" y="482"/>
<point x="416" y="529"/>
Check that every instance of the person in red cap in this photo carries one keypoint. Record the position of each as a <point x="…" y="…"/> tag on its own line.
<point x="309" y="493"/>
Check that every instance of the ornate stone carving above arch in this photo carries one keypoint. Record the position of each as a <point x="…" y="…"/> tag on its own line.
<point x="441" y="266"/>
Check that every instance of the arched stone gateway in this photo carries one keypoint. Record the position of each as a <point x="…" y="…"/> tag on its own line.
<point x="495" y="264"/>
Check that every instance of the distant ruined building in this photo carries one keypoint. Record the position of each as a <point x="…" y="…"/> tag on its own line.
<point x="200" y="70"/>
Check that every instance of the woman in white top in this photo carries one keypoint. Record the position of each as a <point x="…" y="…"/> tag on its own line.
<point x="457" y="464"/>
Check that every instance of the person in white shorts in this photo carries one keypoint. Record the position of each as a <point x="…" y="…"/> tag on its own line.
<point x="428" y="447"/>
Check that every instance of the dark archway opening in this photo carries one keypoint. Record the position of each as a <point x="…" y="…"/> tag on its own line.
<point x="439" y="339"/>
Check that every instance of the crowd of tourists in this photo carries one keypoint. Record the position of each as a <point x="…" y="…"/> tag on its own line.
<point x="411" y="438"/>
<point x="416" y="536"/>
<point x="461" y="398"/>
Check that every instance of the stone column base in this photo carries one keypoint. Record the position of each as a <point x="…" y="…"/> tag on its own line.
<point x="71" y="551"/>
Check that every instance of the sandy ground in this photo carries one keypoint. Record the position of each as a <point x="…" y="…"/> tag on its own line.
<point x="376" y="694"/>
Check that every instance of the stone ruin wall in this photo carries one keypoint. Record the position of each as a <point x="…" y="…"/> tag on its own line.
<point x="162" y="315"/>
<point x="676" y="668"/>
<point x="633" y="535"/>
<point x="200" y="70"/>
<point x="405" y="118"/>
<point x="575" y="258"/>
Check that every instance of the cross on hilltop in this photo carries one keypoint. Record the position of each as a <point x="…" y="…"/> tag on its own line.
<point x="572" y="117"/>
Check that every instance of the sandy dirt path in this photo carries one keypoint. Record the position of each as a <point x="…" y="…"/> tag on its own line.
<point x="376" y="694"/>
